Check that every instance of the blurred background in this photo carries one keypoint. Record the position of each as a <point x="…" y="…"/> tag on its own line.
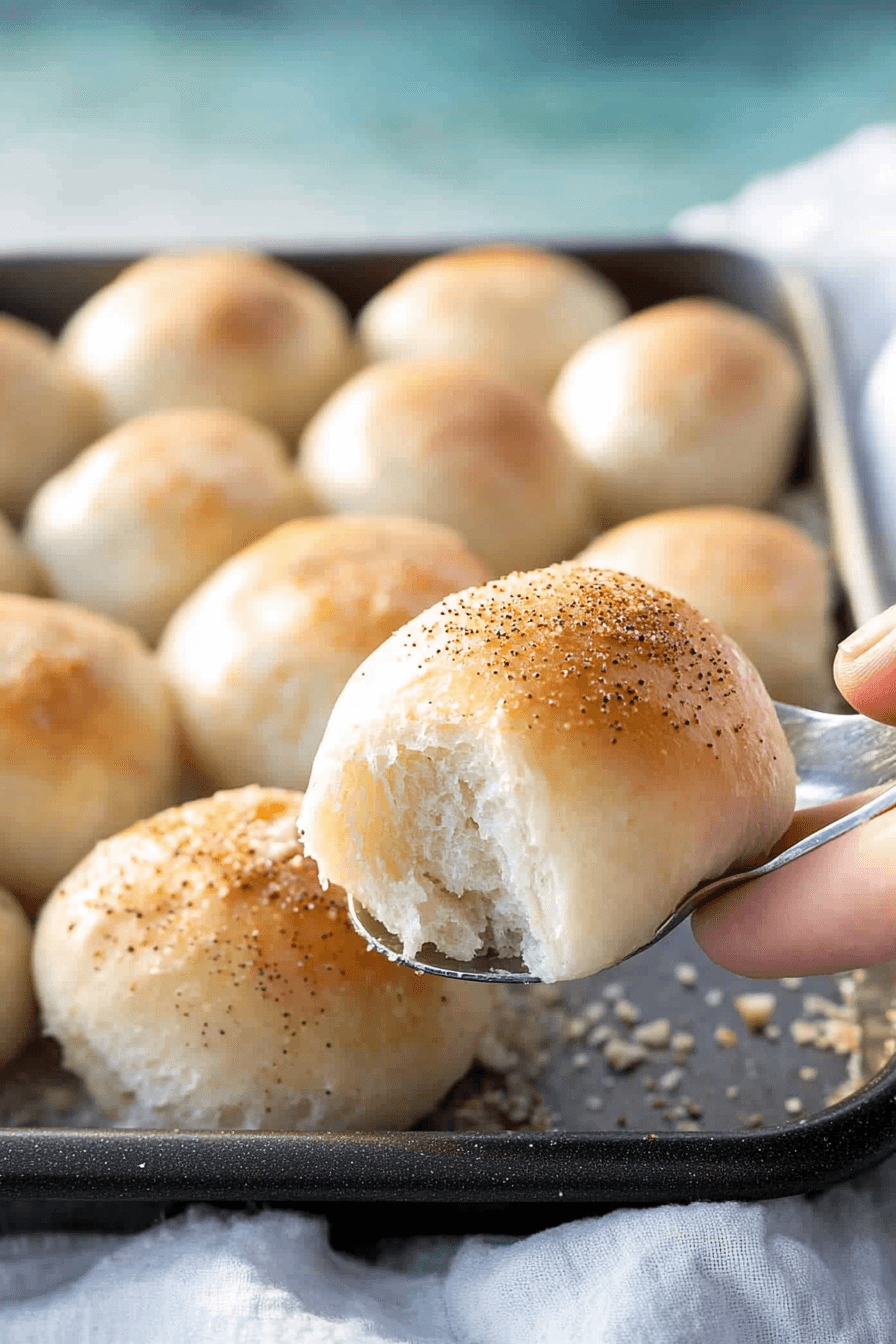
<point x="131" y="122"/>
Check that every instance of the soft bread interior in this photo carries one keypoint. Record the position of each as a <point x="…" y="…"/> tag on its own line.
<point x="470" y="881"/>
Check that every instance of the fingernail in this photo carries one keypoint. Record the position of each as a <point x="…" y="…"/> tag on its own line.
<point x="868" y="636"/>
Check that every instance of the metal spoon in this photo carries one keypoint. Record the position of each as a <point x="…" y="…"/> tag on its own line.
<point x="836" y="755"/>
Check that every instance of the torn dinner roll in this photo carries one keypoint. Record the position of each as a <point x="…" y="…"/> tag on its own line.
<point x="546" y="766"/>
<point x="257" y="656"/>
<point x="197" y="976"/>
<point x="688" y="402"/>
<point x="16" y="995"/>
<point x="517" y="310"/>
<point x="141" y="517"/>
<point x="49" y="411"/>
<point x="763" y="579"/>
<point x="87" y="738"/>
<point x="453" y="443"/>
<point x="219" y="328"/>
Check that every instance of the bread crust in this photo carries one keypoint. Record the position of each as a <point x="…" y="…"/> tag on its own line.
<point x="88" y="739"/>
<point x="762" y="578"/>
<point x="218" y="328"/>
<point x="197" y="975"/>
<point x="258" y="654"/>
<point x="617" y="748"/>
<point x="170" y="495"/>
<point x="687" y="402"/>
<point x="516" y="309"/>
<point x="48" y="412"/>
<point x="450" y="442"/>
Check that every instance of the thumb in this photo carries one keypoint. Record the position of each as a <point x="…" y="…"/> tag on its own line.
<point x="865" y="667"/>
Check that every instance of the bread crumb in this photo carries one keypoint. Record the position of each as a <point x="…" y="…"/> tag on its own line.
<point x="815" y="1005"/>
<point x="793" y="1106"/>
<point x="732" y="1091"/>
<point x="772" y="1032"/>
<point x="725" y="1037"/>
<point x="791" y="982"/>
<point x="686" y="974"/>
<point x="807" y="1072"/>
<point x="574" y="1028"/>
<point x="846" y="987"/>
<point x="713" y="998"/>
<point x="594" y="1011"/>
<point x="804" y="1033"/>
<point x="614" y="990"/>
<point x="594" y="1103"/>
<point x="688" y="1127"/>
<point x="670" y="1079"/>
<point x="494" y="1054"/>
<point x="753" y="1121"/>
<point x="600" y="1034"/>
<point x="844" y="1038"/>
<point x="755" y="1010"/>
<point x="682" y="1042"/>
<point x="655" y="1034"/>
<point x="624" y="1055"/>
<point x="627" y="1012"/>
<point x="581" y="1060"/>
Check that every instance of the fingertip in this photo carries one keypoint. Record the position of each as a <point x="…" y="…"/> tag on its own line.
<point x="833" y="910"/>
<point x="865" y="668"/>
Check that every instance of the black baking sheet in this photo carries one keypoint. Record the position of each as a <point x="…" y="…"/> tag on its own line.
<point x="623" y="1150"/>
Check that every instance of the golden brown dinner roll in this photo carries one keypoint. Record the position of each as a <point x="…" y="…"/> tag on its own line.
<point x="48" y="412"/>
<point x="16" y="996"/>
<point x="762" y="578"/>
<point x="259" y="653"/>
<point x="220" y="328"/>
<point x="87" y="738"/>
<point x="197" y="975"/>
<point x="688" y="402"/>
<point x="546" y="765"/>
<point x="445" y="440"/>
<point x="144" y="515"/>
<point x="19" y="572"/>
<point x="515" y="309"/>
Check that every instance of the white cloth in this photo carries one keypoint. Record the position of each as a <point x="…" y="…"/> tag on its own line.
<point x="790" y="1271"/>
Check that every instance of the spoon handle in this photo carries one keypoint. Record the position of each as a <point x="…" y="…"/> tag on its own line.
<point x="709" y="890"/>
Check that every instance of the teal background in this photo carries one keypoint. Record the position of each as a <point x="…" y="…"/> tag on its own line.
<point x="356" y="121"/>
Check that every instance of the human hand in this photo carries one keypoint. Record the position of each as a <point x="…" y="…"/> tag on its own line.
<point x="834" y="909"/>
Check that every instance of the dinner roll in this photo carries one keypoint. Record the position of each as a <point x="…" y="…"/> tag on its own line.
<point x="166" y="498"/>
<point x="259" y="653"/>
<point x="688" y="402"/>
<point x="546" y="765"/>
<point x="515" y="309"/>
<point x="220" y="328"/>
<point x="447" y="441"/>
<point x="196" y="975"/>
<point x="763" y="579"/>
<point x="16" y="996"/>
<point x="87" y="738"/>
<point x="48" y="412"/>
<point x="19" y="572"/>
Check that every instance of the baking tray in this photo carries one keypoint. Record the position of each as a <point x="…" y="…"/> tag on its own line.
<point x="610" y="1146"/>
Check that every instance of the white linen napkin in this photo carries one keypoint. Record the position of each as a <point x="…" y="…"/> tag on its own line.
<point x="792" y="1271"/>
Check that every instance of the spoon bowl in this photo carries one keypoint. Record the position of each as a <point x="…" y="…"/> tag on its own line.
<point x="836" y="755"/>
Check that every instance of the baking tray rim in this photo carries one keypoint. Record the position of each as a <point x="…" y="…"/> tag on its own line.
<point x="560" y="1166"/>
